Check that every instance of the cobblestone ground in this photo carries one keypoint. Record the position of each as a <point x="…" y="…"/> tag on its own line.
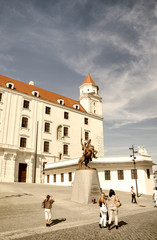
<point x="141" y="226"/>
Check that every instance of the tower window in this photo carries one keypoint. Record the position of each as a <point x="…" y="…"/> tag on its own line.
<point x="86" y="121"/>
<point x="24" y="122"/>
<point x="70" y="176"/>
<point x="23" y="142"/>
<point x="0" y="97"/>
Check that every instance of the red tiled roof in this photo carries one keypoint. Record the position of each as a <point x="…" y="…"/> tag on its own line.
<point x="43" y="94"/>
<point x="88" y="80"/>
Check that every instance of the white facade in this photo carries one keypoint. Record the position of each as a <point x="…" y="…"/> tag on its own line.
<point x="114" y="173"/>
<point x="38" y="126"/>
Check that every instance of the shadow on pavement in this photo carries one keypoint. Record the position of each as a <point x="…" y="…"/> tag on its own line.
<point x="56" y="221"/>
<point x="120" y="224"/>
<point x="17" y="195"/>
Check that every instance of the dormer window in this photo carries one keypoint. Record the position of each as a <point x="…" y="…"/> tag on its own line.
<point x="76" y="106"/>
<point x="10" y="85"/>
<point x="60" y="101"/>
<point x="35" y="93"/>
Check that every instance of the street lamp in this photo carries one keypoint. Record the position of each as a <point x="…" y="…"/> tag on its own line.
<point x="134" y="162"/>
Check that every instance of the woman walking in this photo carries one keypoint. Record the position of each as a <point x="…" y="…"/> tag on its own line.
<point x="48" y="205"/>
<point x="112" y="208"/>
<point x="103" y="210"/>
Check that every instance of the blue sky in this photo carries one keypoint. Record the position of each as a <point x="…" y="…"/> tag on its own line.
<point x="56" y="43"/>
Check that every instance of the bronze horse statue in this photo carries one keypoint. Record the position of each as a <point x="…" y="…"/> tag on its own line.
<point x="88" y="153"/>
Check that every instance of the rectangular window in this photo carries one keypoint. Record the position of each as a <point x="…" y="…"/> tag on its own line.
<point x="65" y="149"/>
<point x="86" y="136"/>
<point x="70" y="176"/>
<point x="60" y="156"/>
<point x="86" y="121"/>
<point x="66" y="131"/>
<point x="62" y="177"/>
<point x="0" y="97"/>
<point x="47" y="127"/>
<point x="44" y="165"/>
<point x="26" y="104"/>
<point x="54" y="177"/>
<point x="107" y="175"/>
<point x="23" y="142"/>
<point x="66" y="115"/>
<point x="133" y="173"/>
<point x="24" y="122"/>
<point x="46" y="146"/>
<point x="120" y="175"/>
<point x="148" y="173"/>
<point x="47" y="110"/>
<point x="48" y="178"/>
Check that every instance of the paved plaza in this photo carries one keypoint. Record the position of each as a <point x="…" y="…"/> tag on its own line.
<point x="22" y="217"/>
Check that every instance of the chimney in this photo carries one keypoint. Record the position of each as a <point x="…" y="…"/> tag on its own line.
<point x="31" y="83"/>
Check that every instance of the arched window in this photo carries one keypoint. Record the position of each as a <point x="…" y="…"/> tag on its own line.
<point x="59" y="132"/>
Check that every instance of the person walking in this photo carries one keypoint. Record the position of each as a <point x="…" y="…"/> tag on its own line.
<point x="133" y="195"/>
<point x="155" y="196"/>
<point x="103" y="210"/>
<point x="112" y="208"/>
<point x="48" y="205"/>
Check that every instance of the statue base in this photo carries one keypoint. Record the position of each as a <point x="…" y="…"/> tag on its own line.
<point x="86" y="186"/>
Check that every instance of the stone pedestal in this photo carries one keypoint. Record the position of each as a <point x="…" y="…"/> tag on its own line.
<point x="86" y="186"/>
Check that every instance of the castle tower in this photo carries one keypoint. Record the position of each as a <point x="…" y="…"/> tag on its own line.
<point x="89" y="98"/>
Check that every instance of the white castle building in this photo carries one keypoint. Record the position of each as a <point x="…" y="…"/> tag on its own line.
<point x="40" y="134"/>
<point x="38" y="126"/>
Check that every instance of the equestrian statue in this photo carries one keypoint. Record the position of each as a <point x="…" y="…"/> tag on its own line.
<point x="88" y="153"/>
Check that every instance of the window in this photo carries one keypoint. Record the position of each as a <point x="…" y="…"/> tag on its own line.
<point x="70" y="176"/>
<point x="35" y="93"/>
<point x="60" y="101"/>
<point x="86" y="136"/>
<point x="66" y="115"/>
<point x="62" y="177"/>
<point x="47" y="110"/>
<point x="59" y="133"/>
<point x="94" y="111"/>
<point x="24" y="122"/>
<point x="0" y="97"/>
<point x="47" y="127"/>
<point x="148" y="173"/>
<point x="120" y="175"/>
<point x="65" y="131"/>
<point x="86" y="121"/>
<point x="133" y="173"/>
<point x="26" y="104"/>
<point x="107" y="175"/>
<point x="65" y="149"/>
<point x="10" y="85"/>
<point x="60" y="156"/>
<point x="48" y="178"/>
<point x="76" y="106"/>
<point x="23" y="142"/>
<point x="54" y="177"/>
<point x="44" y="163"/>
<point x="46" y="146"/>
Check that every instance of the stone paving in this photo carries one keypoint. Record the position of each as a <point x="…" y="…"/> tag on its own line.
<point x="140" y="226"/>
<point x="21" y="215"/>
